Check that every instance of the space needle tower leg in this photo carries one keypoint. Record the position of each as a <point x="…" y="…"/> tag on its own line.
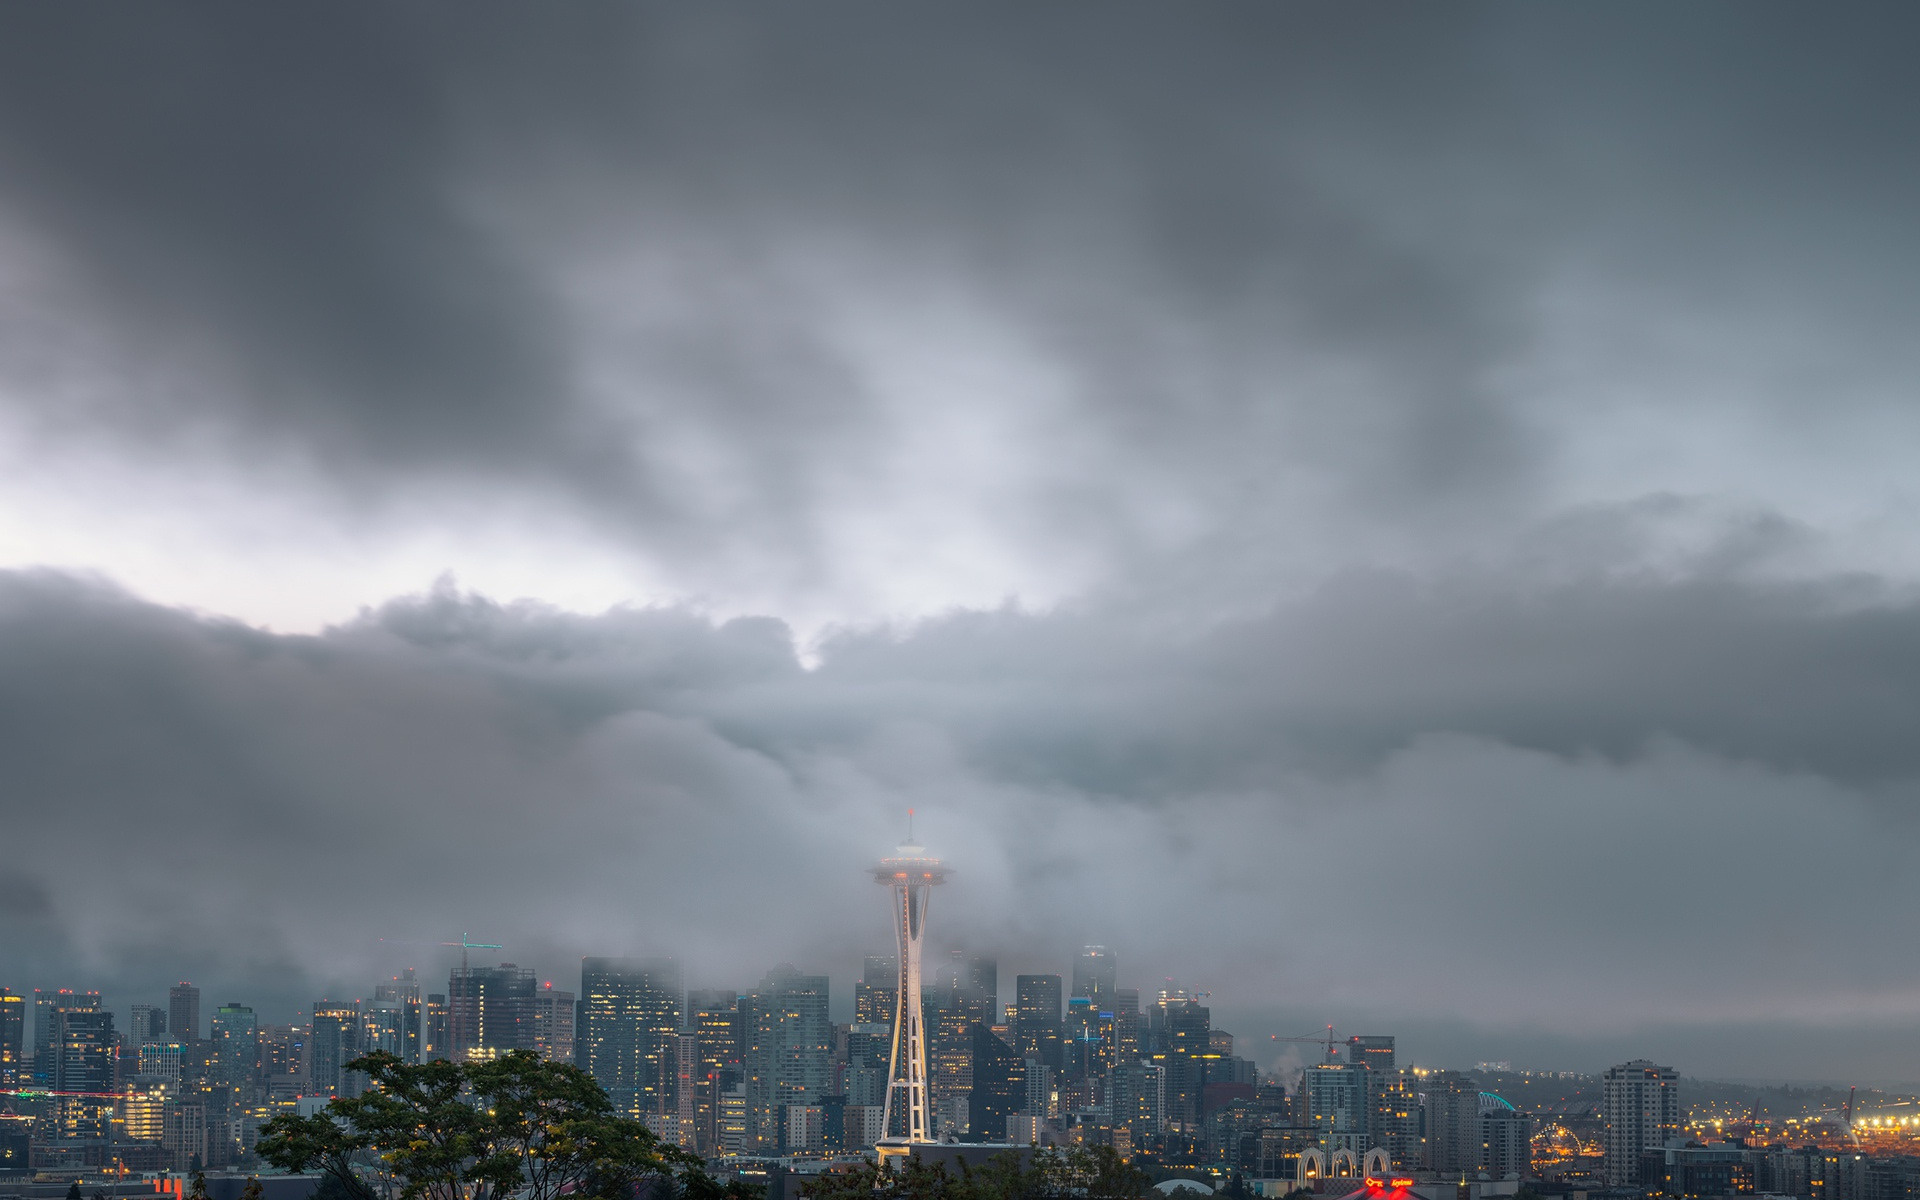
<point x="910" y="875"/>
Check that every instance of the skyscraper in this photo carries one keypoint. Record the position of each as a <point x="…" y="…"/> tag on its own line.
<point x="1095" y="975"/>
<point x="1036" y="1018"/>
<point x="383" y="1027"/>
<point x="335" y="1042"/>
<point x="436" y="1038"/>
<point x="403" y="991"/>
<point x="13" y="1034"/>
<point x="183" y="1012"/>
<point x="1186" y="1028"/>
<point x="717" y="1032"/>
<point x="629" y="1015"/>
<point x="1506" y="1139"/>
<point x="999" y="1084"/>
<point x="1450" y="1103"/>
<point x="875" y="997"/>
<point x="553" y="1018"/>
<point x="82" y="1053"/>
<point x="1332" y="1101"/>
<point x="1640" y="1102"/>
<point x="47" y="1007"/>
<point x="149" y="1024"/>
<point x="490" y="1010"/>
<point x="1136" y="1095"/>
<point x="1127" y="1024"/>
<point x="789" y="1049"/>
<point x="236" y="1047"/>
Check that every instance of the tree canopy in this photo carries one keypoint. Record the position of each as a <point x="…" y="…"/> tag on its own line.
<point x="1096" y="1173"/>
<point x="513" y="1126"/>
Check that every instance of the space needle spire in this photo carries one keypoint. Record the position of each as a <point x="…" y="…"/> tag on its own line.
<point x="910" y="875"/>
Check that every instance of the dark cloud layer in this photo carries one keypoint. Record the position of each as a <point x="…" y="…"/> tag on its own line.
<point x="262" y="808"/>
<point x="1274" y="259"/>
<point x="1449" y="471"/>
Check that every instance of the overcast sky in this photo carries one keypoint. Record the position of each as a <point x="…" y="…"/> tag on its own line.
<point x="1394" y="516"/>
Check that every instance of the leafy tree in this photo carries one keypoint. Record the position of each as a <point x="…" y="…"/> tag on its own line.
<point x="197" y="1190"/>
<point x="517" y="1126"/>
<point x="1098" y="1173"/>
<point x="73" y="1190"/>
<point x="253" y="1190"/>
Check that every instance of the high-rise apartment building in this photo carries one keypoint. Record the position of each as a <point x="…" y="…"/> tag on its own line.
<point x="489" y="1010"/>
<point x="1450" y="1104"/>
<point x="1095" y="975"/>
<point x="13" y="1039"/>
<point x="183" y="1012"/>
<point x="1395" y="1119"/>
<point x="553" y="1021"/>
<point x="789" y="1049"/>
<point x="1037" y="1018"/>
<point x="334" y="1042"/>
<point x="717" y="1033"/>
<point x="1506" y="1139"/>
<point x="1136" y="1097"/>
<point x="1640" y="1103"/>
<point x="1332" y="1101"/>
<point x="629" y="1016"/>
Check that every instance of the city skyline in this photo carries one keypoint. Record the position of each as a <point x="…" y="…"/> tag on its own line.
<point x="1401" y="520"/>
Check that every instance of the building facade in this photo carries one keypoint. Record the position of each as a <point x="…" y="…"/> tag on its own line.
<point x="789" y="1052"/>
<point x="183" y="1012"/>
<point x="1640" y="1104"/>
<point x="629" y="1015"/>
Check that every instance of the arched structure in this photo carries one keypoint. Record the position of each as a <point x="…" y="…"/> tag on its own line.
<point x="1310" y="1167"/>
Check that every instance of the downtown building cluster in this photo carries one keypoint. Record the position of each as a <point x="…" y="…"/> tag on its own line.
<point x="763" y="1075"/>
<point x="758" y="1072"/>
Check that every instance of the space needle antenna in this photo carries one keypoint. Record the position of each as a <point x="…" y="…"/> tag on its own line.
<point x="910" y="875"/>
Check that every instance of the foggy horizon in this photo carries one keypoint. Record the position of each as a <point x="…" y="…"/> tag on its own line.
<point x="1399" y="518"/>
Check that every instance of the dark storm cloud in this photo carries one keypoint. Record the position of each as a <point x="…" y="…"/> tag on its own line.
<point x="1268" y="251"/>
<point x="650" y="780"/>
<point x="1442" y="423"/>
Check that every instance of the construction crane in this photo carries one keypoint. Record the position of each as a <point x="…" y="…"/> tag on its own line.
<point x="1319" y="1039"/>
<point x="461" y="943"/>
<point x="454" y="1007"/>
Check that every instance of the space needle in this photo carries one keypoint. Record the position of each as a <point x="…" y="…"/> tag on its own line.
<point x="911" y="874"/>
